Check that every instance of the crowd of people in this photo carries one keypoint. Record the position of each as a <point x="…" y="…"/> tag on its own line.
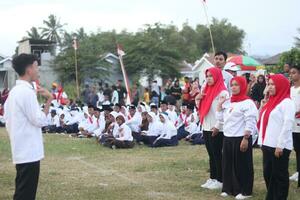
<point x="230" y="114"/>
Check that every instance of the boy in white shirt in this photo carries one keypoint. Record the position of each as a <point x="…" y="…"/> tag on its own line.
<point x="24" y="121"/>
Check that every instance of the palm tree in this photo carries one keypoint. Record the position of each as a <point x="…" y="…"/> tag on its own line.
<point x="34" y="33"/>
<point x="80" y="34"/>
<point x="53" y="29"/>
<point x="298" y="39"/>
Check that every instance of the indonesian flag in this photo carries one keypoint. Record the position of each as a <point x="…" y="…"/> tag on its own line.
<point x="75" y="43"/>
<point x="120" y="50"/>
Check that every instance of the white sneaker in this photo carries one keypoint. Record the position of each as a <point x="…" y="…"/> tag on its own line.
<point x="215" y="185"/>
<point x="224" y="194"/>
<point x="240" y="196"/>
<point x="294" y="177"/>
<point x="207" y="183"/>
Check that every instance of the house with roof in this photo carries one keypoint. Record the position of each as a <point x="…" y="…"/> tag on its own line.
<point x="7" y="73"/>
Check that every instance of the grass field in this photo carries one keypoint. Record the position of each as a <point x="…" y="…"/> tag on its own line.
<point x="80" y="169"/>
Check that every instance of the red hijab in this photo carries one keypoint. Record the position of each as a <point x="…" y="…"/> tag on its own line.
<point x="243" y="89"/>
<point x="282" y="86"/>
<point x="211" y="91"/>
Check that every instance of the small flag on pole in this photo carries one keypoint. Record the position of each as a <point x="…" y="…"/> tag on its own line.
<point x="75" y="43"/>
<point x="120" y="50"/>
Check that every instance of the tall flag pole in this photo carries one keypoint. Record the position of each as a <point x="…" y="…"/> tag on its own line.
<point x="75" y="46"/>
<point x="121" y="53"/>
<point x="208" y="24"/>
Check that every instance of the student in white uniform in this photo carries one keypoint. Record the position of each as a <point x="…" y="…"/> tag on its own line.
<point x="134" y="119"/>
<point x="154" y="130"/>
<point x="212" y="129"/>
<point x="295" y="95"/>
<point x="169" y="133"/>
<point x="124" y="139"/>
<point x="189" y="124"/>
<point x="53" y="122"/>
<point x="239" y="118"/>
<point x="24" y="121"/>
<point x="275" y="123"/>
<point x="172" y="113"/>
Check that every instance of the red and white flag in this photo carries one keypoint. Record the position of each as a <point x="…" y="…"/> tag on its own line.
<point x="120" y="50"/>
<point x="75" y="43"/>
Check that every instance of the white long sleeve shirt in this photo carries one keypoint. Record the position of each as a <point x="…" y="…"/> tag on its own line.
<point x="24" y="120"/>
<point x="155" y="128"/>
<point x="295" y="96"/>
<point x="53" y="121"/>
<point x="135" y="122"/>
<point x="169" y="130"/>
<point x="280" y="126"/>
<point x="125" y="133"/>
<point x="239" y="117"/>
<point x="210" y="121"/>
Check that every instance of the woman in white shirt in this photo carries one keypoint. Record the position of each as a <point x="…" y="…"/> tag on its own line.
<point x="275" y="135"/>
<point x="239" y="118"/>
<point x="295" y="95"/>
<point x="169" y="134"/>
<point x="124" y="139"/>
<point x="212" y="129"/>
<point x="154" y="130"/>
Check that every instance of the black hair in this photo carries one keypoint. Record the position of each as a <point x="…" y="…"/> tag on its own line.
<point x="221" y="53"/>
<point x="297" y="67"/>
<point x="22" y="61"/>
<point x="91" y="106"/>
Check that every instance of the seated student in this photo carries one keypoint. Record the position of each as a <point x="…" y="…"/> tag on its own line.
<point x="124" y="137"/>
<point x="154" y="109"/>
<point x="197" y="137"/>
<point x="73" y="121"/>
<point x="62" y="123"/>
<point x="143" y="126"/>
<point x="110" y="130"/>
<point x="182" y="116"/>
<point x="53" y="123"/>
<point x="169" y="133"/>
<point x="134" y="119"/>
<point x="172" y="113"/>
<point x="189" y="126"/>
<point x="154" y="130"/>
<point x="163" y="107"/>
<point x="97" y="127"/>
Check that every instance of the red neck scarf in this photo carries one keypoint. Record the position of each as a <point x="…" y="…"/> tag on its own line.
<point x="211" y="91"/>
<point x="282" y="86"/>
<point x="243" y="89"/>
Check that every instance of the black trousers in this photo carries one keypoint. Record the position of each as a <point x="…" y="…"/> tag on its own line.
<point x="214" y="147"/>
<point x="276" y="173"/>
<point x="27" y="180"/>
<point x="296" y="141"/>
<point x="238" y="173"/>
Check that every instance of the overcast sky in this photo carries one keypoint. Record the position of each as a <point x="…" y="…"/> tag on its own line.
<point x="270" y="25"/>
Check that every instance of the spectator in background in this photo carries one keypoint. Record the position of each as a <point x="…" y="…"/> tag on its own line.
<point x="195" y="90"/>
<point x="4" y="95"/>
<point x="176" y="93"/>
<point x="286" y="70"/>
<point x="155" y="92"/>
<point x="168" y="86"/>
<point x="107" y="91"/>
<point x="186" y="90"/>
<point x="115" y="95"/>
<point x="54" y="88"/>
<point x="122" y="92"/>
<point x="147" y="96"/>
<point x="86" y="93"/>
<point x="220" y="61"/>
<point x="135" y="95"/>
<point x="93" y="98"/>
<point x="257" y="92"/>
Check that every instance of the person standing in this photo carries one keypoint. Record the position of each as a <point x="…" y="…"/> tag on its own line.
<point x="219" y="62"/>
<point x="295" y="95"/>
<point x="275" y="135"/>
<point x="239" y="119"/>
<point x="24" y="121"/>
<point x="212" y="128"/>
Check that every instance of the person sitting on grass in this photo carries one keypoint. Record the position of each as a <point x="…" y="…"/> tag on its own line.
<point x="169" y="135"/>
<point x="53" y="123"/>
<point x="189" y="126"/>
<point x="124" y="139"/>
<point x="155" y="129"/>
<point x="110" y="130"/>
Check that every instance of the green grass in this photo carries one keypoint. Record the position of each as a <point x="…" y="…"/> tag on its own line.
<point x="80" y="169"/>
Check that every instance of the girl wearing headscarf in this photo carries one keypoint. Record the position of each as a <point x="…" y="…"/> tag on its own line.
<point x="124" y="139"/>
<point x="169" y="134"/>
<point x="257" y="91"/>
<point x="212" y="129"/>
<point x="154" y="130"/>
<point x="239" y="118"/>
<point x="275" y="135"/>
